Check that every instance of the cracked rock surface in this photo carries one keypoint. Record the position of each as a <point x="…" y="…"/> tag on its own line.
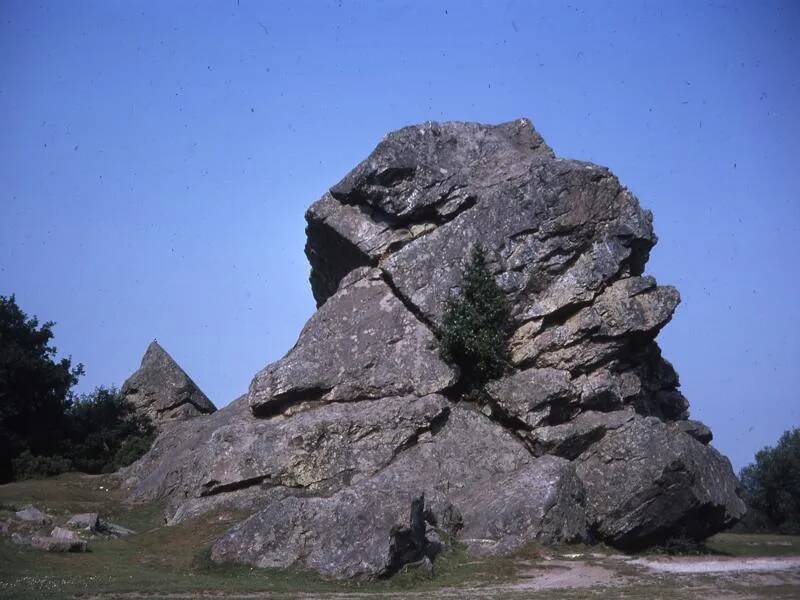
<point x="163" y="391"/>
<point x="354" y="454"/>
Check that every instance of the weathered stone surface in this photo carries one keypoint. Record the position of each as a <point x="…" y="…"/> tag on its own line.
<point x="533" y="396"/>
<point x="570" y="439"/>
<point x="85" y="521"/>
<point x="415" y="179"/>
<point x="361" y="344"/>
<point x="33" y="515"/>
<point x="114" y="530"/>
<point x="64" y="534"/>
<point x="696" y="429"/>
<point x="626" y="312"/>
<point x="479" y="483"/>
<point x="163" y="391"/>
<point x="317" y="450"/>
<point x="646" y="482"/>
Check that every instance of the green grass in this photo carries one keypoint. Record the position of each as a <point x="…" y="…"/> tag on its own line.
<point x="754" y="544"/>
<point x="159" y="560"/>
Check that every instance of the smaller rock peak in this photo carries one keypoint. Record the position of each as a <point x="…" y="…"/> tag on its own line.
<point x="155" y="348"/>
<point x="163" y="391"/>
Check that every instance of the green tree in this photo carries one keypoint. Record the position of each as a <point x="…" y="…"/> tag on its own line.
<point x="475" y="325"/>
<point x="35" y="388"/>
<point x="104" y="432"/>
<point x="771" y="484"/>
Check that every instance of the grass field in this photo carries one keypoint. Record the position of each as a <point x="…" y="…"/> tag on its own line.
<point x="172" y="562"/>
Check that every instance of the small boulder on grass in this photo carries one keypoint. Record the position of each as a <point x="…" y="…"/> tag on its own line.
<point x="33" y="515"/>
<point x="57" y="544"/>
<point x="65" y="534"/>
<point x="115" y="530"/>
<point x="85" y="522"/>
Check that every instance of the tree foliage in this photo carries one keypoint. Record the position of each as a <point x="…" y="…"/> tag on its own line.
<point x="35" y="388"/>
<point x="475" y="325"/>
<point x="44" y="428"/>
<point x="771" y="484"/>
<point x="104" y="432"/>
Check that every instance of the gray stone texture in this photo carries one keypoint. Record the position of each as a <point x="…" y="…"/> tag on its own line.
<point x="163" y="391"/>
<point x="355" y="454"/>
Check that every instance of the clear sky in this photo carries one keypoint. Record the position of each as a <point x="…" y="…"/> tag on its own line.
<point x="156" y="159"/>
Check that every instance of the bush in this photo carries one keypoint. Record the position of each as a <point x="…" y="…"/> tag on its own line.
<point x="475" y="325"/>
<point x="131" y="450"/>
<point x="44" y="428"/>
<point x="771" y="485"/>
<point x="28" y="466"/>
<point x="35" y="389"/>
<point x="104" y="432"/>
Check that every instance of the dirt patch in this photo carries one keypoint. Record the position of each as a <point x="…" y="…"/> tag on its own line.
<point x="717" y="565"/>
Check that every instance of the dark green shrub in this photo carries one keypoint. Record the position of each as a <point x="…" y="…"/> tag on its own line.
<point x="475" y="325"/>
<point x="771" y="485"/>
<point x="28" y="466"/>
<point x="131" y="450"/>
<point x="35" y="388"/>
<point x="44" y="428"/>
<point x="103" y="428"/>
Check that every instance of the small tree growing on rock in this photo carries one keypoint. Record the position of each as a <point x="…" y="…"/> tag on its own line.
<point x="475" y="325"/>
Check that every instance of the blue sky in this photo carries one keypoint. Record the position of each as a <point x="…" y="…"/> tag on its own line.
<point x="156" y="159"/>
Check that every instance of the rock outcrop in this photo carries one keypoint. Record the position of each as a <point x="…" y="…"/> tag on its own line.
<point x="356" y="455"/>
<point x="163" y="391"/>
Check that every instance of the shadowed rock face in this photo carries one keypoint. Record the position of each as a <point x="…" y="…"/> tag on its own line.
<point x="354" y="453"/>
<point x="163" y="391"/>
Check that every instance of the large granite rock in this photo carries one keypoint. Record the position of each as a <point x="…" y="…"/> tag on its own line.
<point x="355" y="453"/>
<point x="163" y="391"/>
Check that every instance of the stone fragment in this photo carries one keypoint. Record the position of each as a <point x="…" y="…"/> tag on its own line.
<point x="33" y="515"/>
<point x="85" y="521"/>
<point x="58" y="544"/>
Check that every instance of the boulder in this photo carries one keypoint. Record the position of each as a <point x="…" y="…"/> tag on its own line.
<point x="89" y="522"/>
<point x="33" y="515"/>
<point x="163" y="391"/>
<point x="646" y="482"/>
<point x="357" y="454"/>
<point x="58" y="544"/>
<point x="696" y="429"/>
<point x="114" y="530"/>
<point x="65" y="534"/>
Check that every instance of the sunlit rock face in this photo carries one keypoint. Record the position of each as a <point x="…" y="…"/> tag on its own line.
<point x="354" y="454"/>
<point x="163" y="391"/>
